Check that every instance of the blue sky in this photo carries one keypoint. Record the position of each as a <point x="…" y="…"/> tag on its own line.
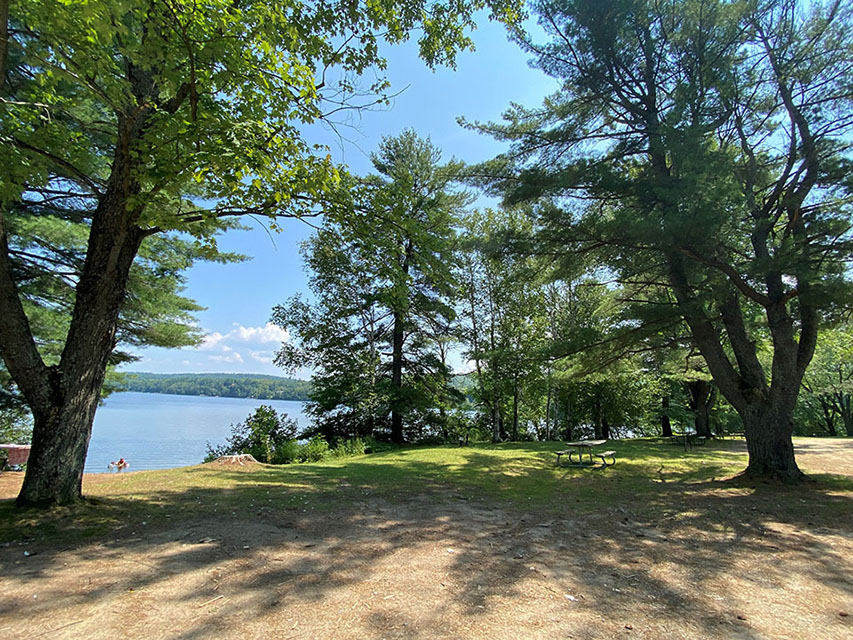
<point x="239" y="297"/>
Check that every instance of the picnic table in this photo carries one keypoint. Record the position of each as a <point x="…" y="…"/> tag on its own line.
<point x="687" y="438"/>
<point x="586" y="446"/>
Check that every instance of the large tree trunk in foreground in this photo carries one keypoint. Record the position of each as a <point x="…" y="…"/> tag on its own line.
<point x="63" y="398"/>
<point x="767" y="410"/>
<point x="768" y="441"/>
<point x="63" y="417"/>
<point x="60" y="441"/>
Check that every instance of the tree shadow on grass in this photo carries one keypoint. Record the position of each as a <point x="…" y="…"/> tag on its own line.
<point x="347" y="541"/>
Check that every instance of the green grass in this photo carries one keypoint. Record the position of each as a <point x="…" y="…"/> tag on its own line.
<point x="649" y="476"/>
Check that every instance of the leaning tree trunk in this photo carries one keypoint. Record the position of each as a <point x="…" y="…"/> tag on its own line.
<point x="63" y="419"/>
<point x="63" y="398"/>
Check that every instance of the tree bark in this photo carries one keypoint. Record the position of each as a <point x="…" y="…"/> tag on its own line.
<point x="569" y="426"/>
<point x="605" y="428"/>
<point x="548" y="416"/>
<point x="496" y="421"/>
<point x="665" y="424"/>
<point x="596" y="421"/>
<point x="702" y="398"/>
<point x="515" y="410"/>
<point x="771" y="450"/>
<point x="767" y="410"/>
<point x="397" y="379"/>
<point x="63" y="398"/>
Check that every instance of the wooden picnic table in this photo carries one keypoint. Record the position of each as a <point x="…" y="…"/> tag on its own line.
<point x="582" y="446"/>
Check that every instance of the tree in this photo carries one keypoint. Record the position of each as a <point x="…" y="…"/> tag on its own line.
<point x="703" y="147"/>
<point x="828" y="385"/>
<point x="46" y="254"/>
<point x="381" y="276"/>
<point x="137" y="117"/>
<point x="267" y="436"/>
<point x="413" y="198"/>
<point x="338" y="336"/>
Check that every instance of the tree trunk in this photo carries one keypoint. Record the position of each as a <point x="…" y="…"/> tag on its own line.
<point x="569" y="425"/>
<point x="596" y="420"/>
<point x="397" y="380"/>
<point x="548" y="416"/>
<point x="60" y="441"/>
<point x="847" y="414"/>
<point x="515" y="411"/>
<point x="768" y="440"/>
<point x="701" y="400"/>
<point x="605" y="428"/>
<point x="665" y="424"/>
<point x="496" y="422"/>
<point x="828" y="416"/>
<point x="767" y="411"/>
<point x="63" y="421"/>
<point x="63" y="416"/>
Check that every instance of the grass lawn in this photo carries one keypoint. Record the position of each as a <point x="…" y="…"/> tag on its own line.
<point x="482" y="541"/>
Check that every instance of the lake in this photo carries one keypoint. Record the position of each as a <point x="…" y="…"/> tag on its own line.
<point x="159" y="431"/>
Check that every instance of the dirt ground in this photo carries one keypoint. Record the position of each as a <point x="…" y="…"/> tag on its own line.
<point x="714" y="563"/>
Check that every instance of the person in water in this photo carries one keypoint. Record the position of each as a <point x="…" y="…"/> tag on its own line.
<point x="121" y="465"/>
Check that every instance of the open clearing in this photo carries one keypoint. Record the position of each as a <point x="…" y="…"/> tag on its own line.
<point x="491" y="541"/>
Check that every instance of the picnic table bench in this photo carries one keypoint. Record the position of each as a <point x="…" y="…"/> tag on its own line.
<point x="687" y="439"/>
<point x="586" y="446"/>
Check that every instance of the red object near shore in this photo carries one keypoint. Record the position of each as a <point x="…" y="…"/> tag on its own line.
<point x="18" y="453"/>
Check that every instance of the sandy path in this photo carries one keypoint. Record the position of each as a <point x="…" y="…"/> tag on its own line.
<point x="715" y="565"/>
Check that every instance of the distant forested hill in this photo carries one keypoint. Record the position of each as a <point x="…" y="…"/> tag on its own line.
<point x="226" y="385"/>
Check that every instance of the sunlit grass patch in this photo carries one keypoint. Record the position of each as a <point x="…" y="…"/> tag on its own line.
<point x="647" y="475"/>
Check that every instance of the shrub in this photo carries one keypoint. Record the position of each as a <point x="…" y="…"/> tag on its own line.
<point x="354" y="447"/>
<point x="287" y="452"/>
<point x="262" y="434"/>
<point x="372" y="445"/>
<point x="314" y="450"/>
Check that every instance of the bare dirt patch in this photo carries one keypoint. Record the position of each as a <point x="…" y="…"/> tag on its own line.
<point x="698" y="561"/>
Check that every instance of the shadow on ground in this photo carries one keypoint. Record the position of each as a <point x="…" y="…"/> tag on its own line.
<point x="427" y="549"/>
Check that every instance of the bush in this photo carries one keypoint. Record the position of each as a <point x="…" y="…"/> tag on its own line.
<point x="354" y="447"/>
<point x="262" y="434"/>
<point x="314" y="450"/>
<point x="372" y="445"/>
<point x="287" y="452"/>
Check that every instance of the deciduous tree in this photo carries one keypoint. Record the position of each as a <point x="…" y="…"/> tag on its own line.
<point x="142" y="116"/>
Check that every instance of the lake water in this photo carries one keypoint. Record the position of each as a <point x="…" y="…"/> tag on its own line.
<point x="159" y="431"/>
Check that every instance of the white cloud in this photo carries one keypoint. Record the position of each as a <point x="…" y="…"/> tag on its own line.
<point x="240" y="343"/>
<point x="210" y="341"/>
<point x="268" y="334"/>
<point x="264" y="357"/>
<point x="231" y="358"/>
